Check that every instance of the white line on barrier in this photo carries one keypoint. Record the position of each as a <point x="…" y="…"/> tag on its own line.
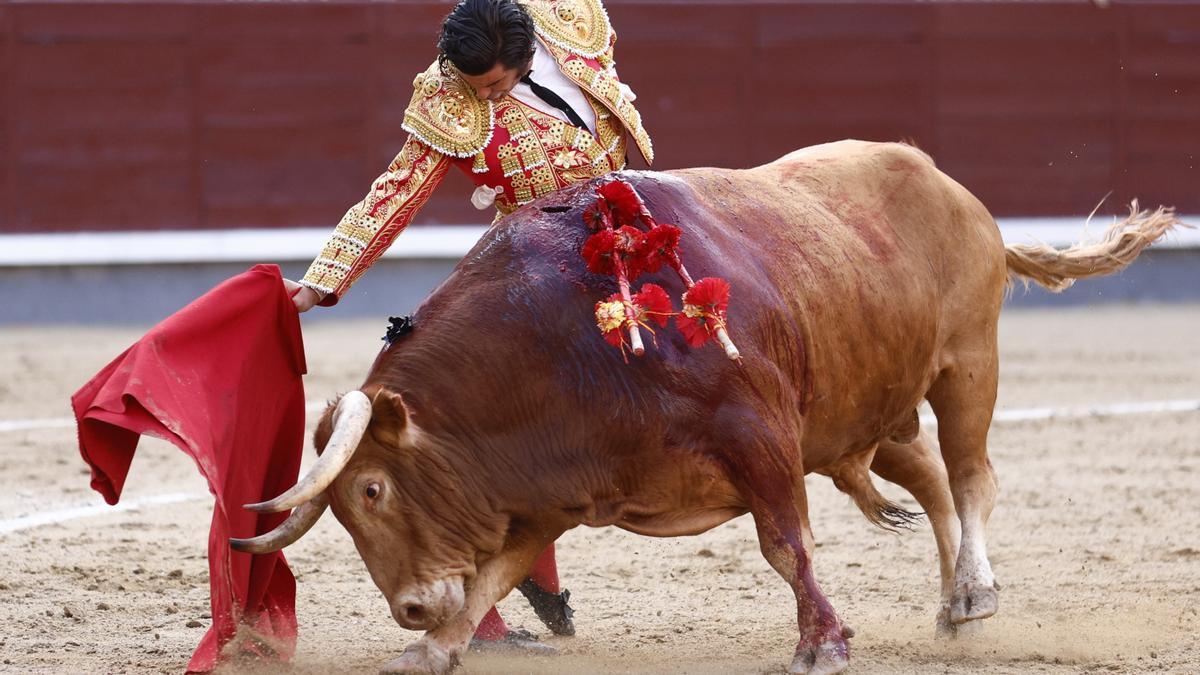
<point x="48" y="517"/>
<point x="442" y="242"/>
<point x="439" y="242"/>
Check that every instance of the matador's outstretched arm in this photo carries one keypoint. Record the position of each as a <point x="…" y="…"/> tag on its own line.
<point x="371" y="225"/>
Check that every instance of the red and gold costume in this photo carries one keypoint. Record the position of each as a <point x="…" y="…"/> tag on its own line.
<point x="505" y="143"/>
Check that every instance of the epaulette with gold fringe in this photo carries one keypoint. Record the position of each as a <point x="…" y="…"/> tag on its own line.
<point x="445" y="115"/>
<point x="578" y="26"/>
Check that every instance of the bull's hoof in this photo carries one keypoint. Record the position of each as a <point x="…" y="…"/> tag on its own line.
<point x="831" y="656"/>
<point x="972" y="602"/>
<point x="421" y="658"/>
<point x="946" y="629"/>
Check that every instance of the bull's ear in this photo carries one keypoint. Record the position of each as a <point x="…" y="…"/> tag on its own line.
<point x="325" y="426"/>
<point x="389" y="416"/>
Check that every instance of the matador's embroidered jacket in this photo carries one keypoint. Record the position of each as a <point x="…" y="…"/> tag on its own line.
<point x="504" y="143"/>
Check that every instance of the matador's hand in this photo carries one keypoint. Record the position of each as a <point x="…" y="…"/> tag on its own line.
<point x="303" y="296"/>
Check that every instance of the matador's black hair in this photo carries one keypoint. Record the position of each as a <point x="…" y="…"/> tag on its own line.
<point x="478" y="34"/>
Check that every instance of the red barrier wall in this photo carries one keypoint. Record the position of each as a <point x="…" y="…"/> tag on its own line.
<point x="216" y="115"/>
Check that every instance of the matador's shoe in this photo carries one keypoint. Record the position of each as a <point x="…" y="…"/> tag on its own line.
<point x="551" y="608"/>
<point x="515" y="641"/>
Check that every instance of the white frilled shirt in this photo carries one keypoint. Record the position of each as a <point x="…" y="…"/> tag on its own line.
<point x="546" y="73"/>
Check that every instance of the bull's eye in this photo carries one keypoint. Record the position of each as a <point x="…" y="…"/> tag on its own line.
<point x="372" y="490"/>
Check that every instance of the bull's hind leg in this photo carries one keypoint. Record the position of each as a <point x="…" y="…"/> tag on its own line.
<point x="963" y="396"/>
<point x="916" y="467"/>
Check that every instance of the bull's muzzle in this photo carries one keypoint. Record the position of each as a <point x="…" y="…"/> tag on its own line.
<point x="427" y="606"/>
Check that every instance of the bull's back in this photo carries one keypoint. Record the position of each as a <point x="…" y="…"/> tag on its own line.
<point x="872" y="253"/>
<point x="846" y="262"/>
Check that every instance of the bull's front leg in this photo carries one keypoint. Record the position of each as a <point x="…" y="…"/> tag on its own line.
<point x="762" y="458"/>
<point x="767" y="468"/>
<point x="786" y="543"/>
<point x="440" y="649"/>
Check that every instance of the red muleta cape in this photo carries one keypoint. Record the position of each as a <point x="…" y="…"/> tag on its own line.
<point x="221" y="379"/>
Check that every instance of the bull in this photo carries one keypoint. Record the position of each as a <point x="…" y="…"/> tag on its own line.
<point x="865" y="282"/>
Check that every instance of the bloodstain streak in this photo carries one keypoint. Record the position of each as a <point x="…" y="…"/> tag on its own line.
<point x="870" y="224"/>
<point x="872" y="228"/>
<point x="900" y="166"/>
<point x="806" y="383"/>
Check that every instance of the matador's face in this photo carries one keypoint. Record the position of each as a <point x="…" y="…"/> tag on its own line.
<point x="497" y="82"/>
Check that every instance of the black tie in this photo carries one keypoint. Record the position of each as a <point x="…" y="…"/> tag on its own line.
<point x="554" y="99"/>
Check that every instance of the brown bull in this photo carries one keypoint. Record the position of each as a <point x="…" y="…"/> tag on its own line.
<point x="865" y="281"/>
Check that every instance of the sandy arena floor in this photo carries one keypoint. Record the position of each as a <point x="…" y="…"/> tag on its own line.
<point x="1095" y="537"/>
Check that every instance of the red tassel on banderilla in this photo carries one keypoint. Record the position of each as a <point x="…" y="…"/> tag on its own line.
<point x="621" y="249"/>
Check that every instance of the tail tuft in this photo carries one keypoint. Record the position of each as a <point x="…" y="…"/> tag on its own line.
<point x="893" y="518"/>
<point x="1057" y="269"/>
<point x="852" y="477"/>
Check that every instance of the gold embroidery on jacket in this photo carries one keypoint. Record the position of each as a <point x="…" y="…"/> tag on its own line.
<point x="553" y="154"/>
<point x="446" y="116"/>
<point x="480" y="163"/>
<point x="606" y="88"/>
<point x="369" y="226"/>
<point x="578" y="26"/>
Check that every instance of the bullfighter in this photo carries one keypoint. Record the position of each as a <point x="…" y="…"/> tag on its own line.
<point x="524" y="99"/>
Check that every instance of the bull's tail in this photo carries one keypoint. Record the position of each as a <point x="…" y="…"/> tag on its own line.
<point x="852" y="476"/>
<point x="1057" y="269"/>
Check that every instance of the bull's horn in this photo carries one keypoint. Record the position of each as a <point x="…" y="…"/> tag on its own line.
<point x="301" y="521"/>
<point x="350" y="420"/>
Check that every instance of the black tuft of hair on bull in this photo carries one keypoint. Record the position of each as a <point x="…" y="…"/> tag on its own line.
<point x="401" y="326"/>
